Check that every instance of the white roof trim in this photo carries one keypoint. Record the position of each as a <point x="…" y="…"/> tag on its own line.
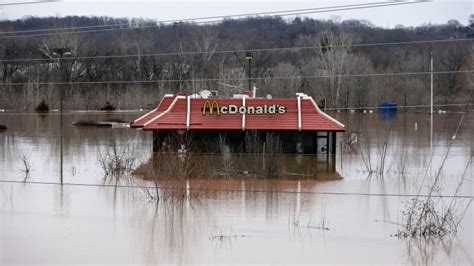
<point x="243" y="115"/>
<point x="188" y="112"/>
<point x="298" y="98"/>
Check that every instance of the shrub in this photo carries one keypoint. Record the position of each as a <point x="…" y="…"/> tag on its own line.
<point x="42" y="107"/>
<point x="108" y="107"/>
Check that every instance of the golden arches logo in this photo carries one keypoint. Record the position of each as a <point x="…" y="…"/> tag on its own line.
<point x="210" y="106"/>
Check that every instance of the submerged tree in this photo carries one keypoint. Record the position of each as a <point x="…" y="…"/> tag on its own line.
<point x="333" y="55"/>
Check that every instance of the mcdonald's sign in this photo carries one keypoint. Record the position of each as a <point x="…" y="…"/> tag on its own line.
<point x="211" y="107"/>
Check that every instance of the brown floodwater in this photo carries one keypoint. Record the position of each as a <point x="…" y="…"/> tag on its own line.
<point x="94" y="218"/>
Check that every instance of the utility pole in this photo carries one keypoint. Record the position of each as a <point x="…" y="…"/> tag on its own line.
<point x="248" y="56"/>
<point x="431" y="74"/>
<point x="60" y="53"/>
<point x="431" y="106"/>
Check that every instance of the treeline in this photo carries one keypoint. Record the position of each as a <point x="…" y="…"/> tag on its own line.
<point x="338" y="62"/>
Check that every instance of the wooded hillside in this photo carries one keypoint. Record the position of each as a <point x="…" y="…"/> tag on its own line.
<point x="337" y="62"/>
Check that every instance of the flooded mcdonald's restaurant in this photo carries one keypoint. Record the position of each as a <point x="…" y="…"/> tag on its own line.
<point x="252" y="132"/>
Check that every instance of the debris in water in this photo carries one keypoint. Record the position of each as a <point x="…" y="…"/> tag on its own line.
<point x="113" y="122"/>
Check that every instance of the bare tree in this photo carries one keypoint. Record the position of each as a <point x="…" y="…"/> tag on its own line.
<point x="25" y="159"/>
<point x="333" y="53"/>
<point x="453" y="58"/>
<point x="233" y="80"/>
<point x="204" y="40"/>
<point x="284" y="87"/>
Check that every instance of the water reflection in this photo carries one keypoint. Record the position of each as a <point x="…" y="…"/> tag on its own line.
<point x="39" y="220"/>
<point x="427" y="251"/>
<point x="181" y="230"/>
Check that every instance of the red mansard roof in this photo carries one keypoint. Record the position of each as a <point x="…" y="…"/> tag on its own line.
<point x="162" y="106"/>
<point x="172" y="114"/>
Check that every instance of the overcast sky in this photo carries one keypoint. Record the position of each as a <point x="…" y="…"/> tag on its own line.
<point x="435" y="12"/>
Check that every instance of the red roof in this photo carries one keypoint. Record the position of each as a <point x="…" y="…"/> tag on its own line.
<point x="172" y="114"/>
<point x="162" y="106"/>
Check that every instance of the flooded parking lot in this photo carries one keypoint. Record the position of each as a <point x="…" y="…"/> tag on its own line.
<point x="230" y="219"/>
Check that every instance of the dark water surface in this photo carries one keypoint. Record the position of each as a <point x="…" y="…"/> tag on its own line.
<point x="228" y="220"/>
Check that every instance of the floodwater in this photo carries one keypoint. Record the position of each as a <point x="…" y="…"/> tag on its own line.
<point x="99" y="219"/>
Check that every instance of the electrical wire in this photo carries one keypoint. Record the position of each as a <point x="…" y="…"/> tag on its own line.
<point x="328" y="9"/>
<point x="237" y="78"/>
<point x="257" y="50"/>
<point x="28" y="3"/>
<point x="401" y="106"/>
<point x="242" y="190"/>
<point x="133" y="112"/>
<point x="192" y="19"/>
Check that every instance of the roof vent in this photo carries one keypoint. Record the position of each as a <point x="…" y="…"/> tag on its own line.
<point x="240" y="96"/>
<point x="302" y="95"/>
<point x="205" y="94"/>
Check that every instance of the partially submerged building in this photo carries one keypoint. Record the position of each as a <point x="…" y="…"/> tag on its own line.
<point x="242" y="124"/>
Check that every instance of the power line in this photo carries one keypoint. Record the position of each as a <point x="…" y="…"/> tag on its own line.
<point x="245" y="50"/>
<point x="401" y="106"/>
<point x="243" y="190"/>
<point x="237" y="78"/>
<point x="279" y="13"/>
<point x="191" y="19"/>
<point x="28" y="3"/>
<point x="132" y="112"/>
<point x="327" y="9"/>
